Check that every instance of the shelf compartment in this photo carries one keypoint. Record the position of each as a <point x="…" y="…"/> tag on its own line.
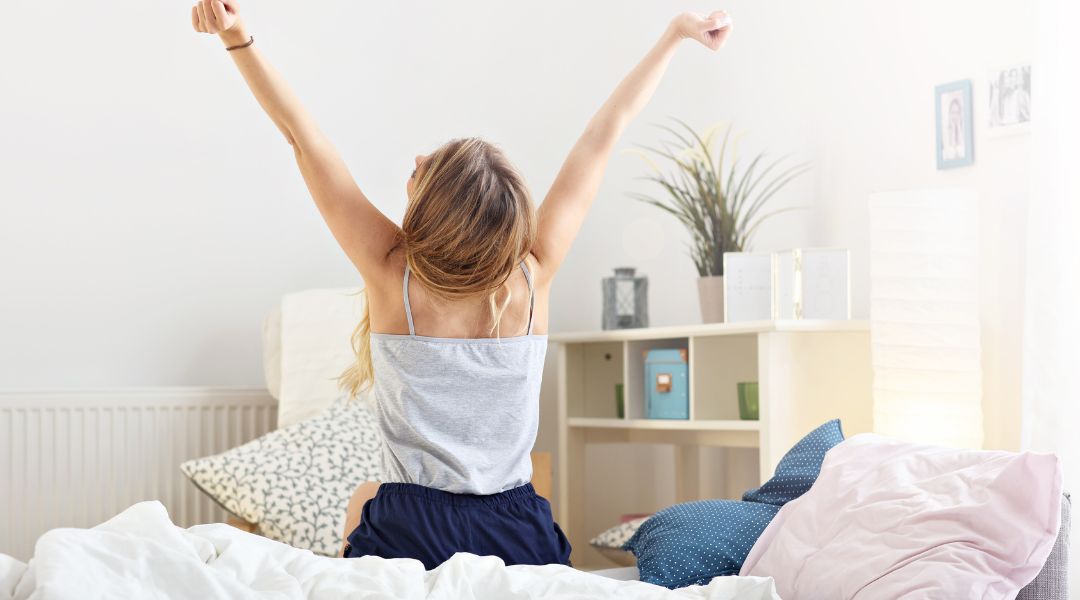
<point x="717" y="365"/>
<point x="635" y="371"/>
<point x="592" y="371"/>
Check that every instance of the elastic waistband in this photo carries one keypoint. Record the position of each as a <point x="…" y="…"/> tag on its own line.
<point x="517" y="494"/>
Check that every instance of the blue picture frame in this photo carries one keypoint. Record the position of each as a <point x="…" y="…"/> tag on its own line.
<point x="953" y="109"/>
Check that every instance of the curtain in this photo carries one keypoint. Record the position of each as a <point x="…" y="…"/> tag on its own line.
<point x="1051" y="380"/>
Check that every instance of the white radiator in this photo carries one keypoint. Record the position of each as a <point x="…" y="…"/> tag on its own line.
<point x="76" y="458"/>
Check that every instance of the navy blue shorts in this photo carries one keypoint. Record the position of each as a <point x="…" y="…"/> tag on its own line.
<point x="405" y="520"/>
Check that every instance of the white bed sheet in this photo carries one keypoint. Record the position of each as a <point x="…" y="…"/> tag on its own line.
<point x="620" y="573"/>
<point x="140" y="553"/>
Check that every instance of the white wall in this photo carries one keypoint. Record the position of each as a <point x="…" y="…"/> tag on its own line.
<point x="150" y="215"/>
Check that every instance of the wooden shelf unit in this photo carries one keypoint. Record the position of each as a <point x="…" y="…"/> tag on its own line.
<point x="807" y="372"/>
<point x="673" y="424"/>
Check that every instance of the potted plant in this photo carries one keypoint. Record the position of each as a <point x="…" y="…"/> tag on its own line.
<point x="719" y="199"/>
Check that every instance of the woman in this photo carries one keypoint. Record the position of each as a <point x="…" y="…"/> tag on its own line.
<point x="453" y="337"/>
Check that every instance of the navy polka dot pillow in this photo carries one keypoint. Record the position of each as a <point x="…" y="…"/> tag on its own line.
<point x="799" y="468"/>
<point x="689" y="544"/>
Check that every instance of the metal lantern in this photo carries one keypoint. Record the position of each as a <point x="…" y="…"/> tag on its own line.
<point x="626" y="300"/>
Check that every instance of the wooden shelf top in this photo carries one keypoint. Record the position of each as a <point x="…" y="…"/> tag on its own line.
<point x="665" y="424"/>
<point x="711" y="329"/>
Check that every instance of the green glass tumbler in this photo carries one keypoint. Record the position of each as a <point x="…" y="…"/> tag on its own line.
<point x="620" y="406"/>
<point x="748" y="400"/>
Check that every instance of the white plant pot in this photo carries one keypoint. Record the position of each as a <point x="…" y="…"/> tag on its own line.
<point x="711" y="297"/>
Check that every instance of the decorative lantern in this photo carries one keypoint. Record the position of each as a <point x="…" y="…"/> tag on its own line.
<point x="626" y="300"/>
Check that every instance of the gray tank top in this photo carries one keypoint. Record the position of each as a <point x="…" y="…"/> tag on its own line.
<point x="457" y="414"/>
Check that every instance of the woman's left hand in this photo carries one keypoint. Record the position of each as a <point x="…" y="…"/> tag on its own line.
<point x="711" y="30"/>
<point x="215" y="16"/>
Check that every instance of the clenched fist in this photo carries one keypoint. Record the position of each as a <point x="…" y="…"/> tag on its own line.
<point x="215" y="16"/>
<point x="711" y="30"/>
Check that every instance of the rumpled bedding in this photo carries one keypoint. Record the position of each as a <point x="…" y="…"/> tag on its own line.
<point x="140" y="553"/>
<point x="889" y="519"/>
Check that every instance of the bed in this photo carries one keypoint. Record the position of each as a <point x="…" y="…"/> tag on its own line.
<point x="305" y="324"/>
<point x="141" y="553"/>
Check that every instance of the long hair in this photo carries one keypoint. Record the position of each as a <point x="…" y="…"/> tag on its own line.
<point x="468" y="224"/>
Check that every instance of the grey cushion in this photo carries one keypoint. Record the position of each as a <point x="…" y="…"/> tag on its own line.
<point x="1052" y="583"/>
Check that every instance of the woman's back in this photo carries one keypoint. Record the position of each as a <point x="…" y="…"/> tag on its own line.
<point x="458" y="415"/>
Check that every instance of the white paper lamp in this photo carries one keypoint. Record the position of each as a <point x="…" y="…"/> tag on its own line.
<point x="924" y="316"/>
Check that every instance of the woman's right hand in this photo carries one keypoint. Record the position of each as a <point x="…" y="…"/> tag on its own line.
<point x="216" y="16"/>
<point x="710" y="30"/>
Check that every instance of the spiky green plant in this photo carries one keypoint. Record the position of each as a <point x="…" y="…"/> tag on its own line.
<point x="719" y="203"/>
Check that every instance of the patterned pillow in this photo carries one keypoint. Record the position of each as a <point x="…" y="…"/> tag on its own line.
<point x="610" y="543"/>
<point x="617" y="536"/>
<point x="799" y="469"/>
<point x="295" y="483"/>
<point x="689" y="544"/>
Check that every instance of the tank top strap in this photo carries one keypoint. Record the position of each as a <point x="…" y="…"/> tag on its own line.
<point x="405" y="295"/>
<point x="532" y="293"/>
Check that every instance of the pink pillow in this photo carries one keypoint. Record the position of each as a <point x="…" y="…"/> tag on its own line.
<point x="887" y="519"/>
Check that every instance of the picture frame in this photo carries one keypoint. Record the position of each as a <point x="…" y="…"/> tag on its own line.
<point x="748" y="287"/>
<point x="812" y="283"/>
<point x="955" y="124"/>
<point x="1008" y="101"/>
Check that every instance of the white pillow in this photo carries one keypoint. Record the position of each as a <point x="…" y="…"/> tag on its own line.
<point x="295" y="483"/>
<point x="316" y="327"/>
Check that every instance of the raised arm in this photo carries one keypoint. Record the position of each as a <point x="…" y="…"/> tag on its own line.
<point x="572" y="193"/>
<point x="362" y="230"/>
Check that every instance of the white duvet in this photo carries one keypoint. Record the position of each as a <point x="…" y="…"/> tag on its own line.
<point x="141" y="554"/>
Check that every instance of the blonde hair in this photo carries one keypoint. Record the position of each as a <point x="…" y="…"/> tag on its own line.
<point x="468" y="224"/>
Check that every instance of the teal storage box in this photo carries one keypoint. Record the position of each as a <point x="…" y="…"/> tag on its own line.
<point x="667" y="386"/>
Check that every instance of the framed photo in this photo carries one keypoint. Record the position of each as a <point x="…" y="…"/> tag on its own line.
<point x="955" y="139"/>
<point x="1008" y="105"/>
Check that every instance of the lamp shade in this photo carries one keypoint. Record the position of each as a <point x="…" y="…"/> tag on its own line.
<point x="924" y="316"/>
